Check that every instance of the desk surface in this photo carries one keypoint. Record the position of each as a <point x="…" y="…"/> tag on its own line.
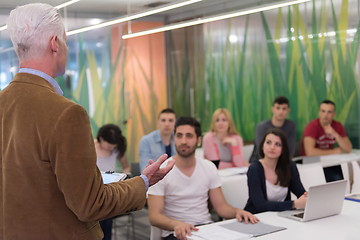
<point x="345" y="226"/>
<point x="336" y="159"/>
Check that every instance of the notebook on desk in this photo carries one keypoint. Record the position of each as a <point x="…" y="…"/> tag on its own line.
<point x="323" y="201"/>
<point x="233" y="230"/>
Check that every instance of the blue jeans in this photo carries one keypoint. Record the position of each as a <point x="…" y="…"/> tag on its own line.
<point x="106" y="226"/>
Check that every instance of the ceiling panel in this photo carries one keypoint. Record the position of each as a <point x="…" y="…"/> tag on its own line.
<point x="81" y="14"/>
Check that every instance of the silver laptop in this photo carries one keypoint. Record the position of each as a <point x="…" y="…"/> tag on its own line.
<point x="323" y="201"/>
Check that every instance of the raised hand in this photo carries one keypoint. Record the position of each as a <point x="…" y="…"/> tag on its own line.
<point x="153" y="171"/>
<point x="330" y="130"/>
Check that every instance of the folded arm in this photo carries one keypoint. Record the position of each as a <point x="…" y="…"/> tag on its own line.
<point x="342" y="140"/>
<point x="311" y="150"/>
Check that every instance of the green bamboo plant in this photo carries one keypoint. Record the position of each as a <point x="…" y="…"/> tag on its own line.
<point x="105" y="95"/>
<point x="308" y="67"/>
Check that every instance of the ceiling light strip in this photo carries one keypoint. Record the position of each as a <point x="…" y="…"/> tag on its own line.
<point x="57" y="7"/>
<point x="133" y="16"/>
<point x="213" y="18"/>
<point x="66" y="4"/>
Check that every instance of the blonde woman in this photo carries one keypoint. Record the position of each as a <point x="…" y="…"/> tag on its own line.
<point x="222" y="144"/>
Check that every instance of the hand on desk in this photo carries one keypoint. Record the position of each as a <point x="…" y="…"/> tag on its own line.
<point x="301" y="201"/>
<point x="153" y="171"/>
<point x="245" y="216"/>
<point x="182" y="230"/>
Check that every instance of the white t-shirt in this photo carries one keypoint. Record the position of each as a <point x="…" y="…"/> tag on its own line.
<point x="107" y="163"/>
<point x="186" y="198"/>
<point x="276" y="193"/>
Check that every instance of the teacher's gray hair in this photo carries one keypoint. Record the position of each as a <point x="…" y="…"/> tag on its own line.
<point x="31" y="27"/>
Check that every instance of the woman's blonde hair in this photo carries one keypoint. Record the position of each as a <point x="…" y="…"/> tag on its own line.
<point x="231" y="129"/>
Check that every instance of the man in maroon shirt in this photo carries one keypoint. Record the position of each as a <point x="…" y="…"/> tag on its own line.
<point x="325" y="136"/>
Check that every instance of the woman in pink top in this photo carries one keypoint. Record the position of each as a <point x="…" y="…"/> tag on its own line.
<point x="222" y="144"/>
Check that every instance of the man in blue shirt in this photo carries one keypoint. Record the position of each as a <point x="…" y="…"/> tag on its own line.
<point x="159" y="141"/>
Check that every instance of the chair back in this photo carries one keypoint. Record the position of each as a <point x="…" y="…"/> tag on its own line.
<point x="355" y="187"/>
<point x="311" y="174"/>
<point x="135" y="169"/>
<point x="235" y="190"/>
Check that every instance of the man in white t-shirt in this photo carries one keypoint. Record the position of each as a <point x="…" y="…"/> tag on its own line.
<point x="179" y="202"/>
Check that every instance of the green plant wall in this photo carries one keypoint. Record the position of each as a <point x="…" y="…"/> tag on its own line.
<point x="116" y="82"/>
<point x="307" y="52"/>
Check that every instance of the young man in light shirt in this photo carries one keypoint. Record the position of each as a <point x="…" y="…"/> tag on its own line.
<point x="180" y="201"/>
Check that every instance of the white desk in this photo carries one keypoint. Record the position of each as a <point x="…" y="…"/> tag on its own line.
<point x="338" y="159"/>
<point x="349" y="163"/>
<point x="345" y="226"/>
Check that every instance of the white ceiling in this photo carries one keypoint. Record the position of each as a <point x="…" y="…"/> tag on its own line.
<point x="108" y="9"/>
<point x="82" y="13"/>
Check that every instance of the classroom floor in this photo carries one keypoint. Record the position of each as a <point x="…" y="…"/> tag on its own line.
<point x="141" y="223"/>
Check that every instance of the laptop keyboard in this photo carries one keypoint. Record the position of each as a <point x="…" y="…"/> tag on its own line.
<point x="299" y="215"/>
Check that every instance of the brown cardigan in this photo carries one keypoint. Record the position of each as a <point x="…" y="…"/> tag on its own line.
<point x="50" y="187"/>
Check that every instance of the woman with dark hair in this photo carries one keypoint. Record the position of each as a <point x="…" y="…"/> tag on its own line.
<point x="273" y="177"/>
<point x="110" y="146"/>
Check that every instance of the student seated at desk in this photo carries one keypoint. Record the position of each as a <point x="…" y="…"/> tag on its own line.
<point x="273" y="177"/>
<point x="110" y="146"/>
<point x="179" y="202"/>
<point x="325" y="136"/>
<point x="222" y="144"/>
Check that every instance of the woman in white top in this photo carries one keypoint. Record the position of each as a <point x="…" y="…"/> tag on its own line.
<point x="110" y="146"/>
<point x="274" y="177"/>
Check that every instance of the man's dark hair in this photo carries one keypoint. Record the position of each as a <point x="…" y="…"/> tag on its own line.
<point x="281" y="100"/>
<point x="189" y="121"/>
<point x="167" y="110"/>
<point x="326" y="101"/>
